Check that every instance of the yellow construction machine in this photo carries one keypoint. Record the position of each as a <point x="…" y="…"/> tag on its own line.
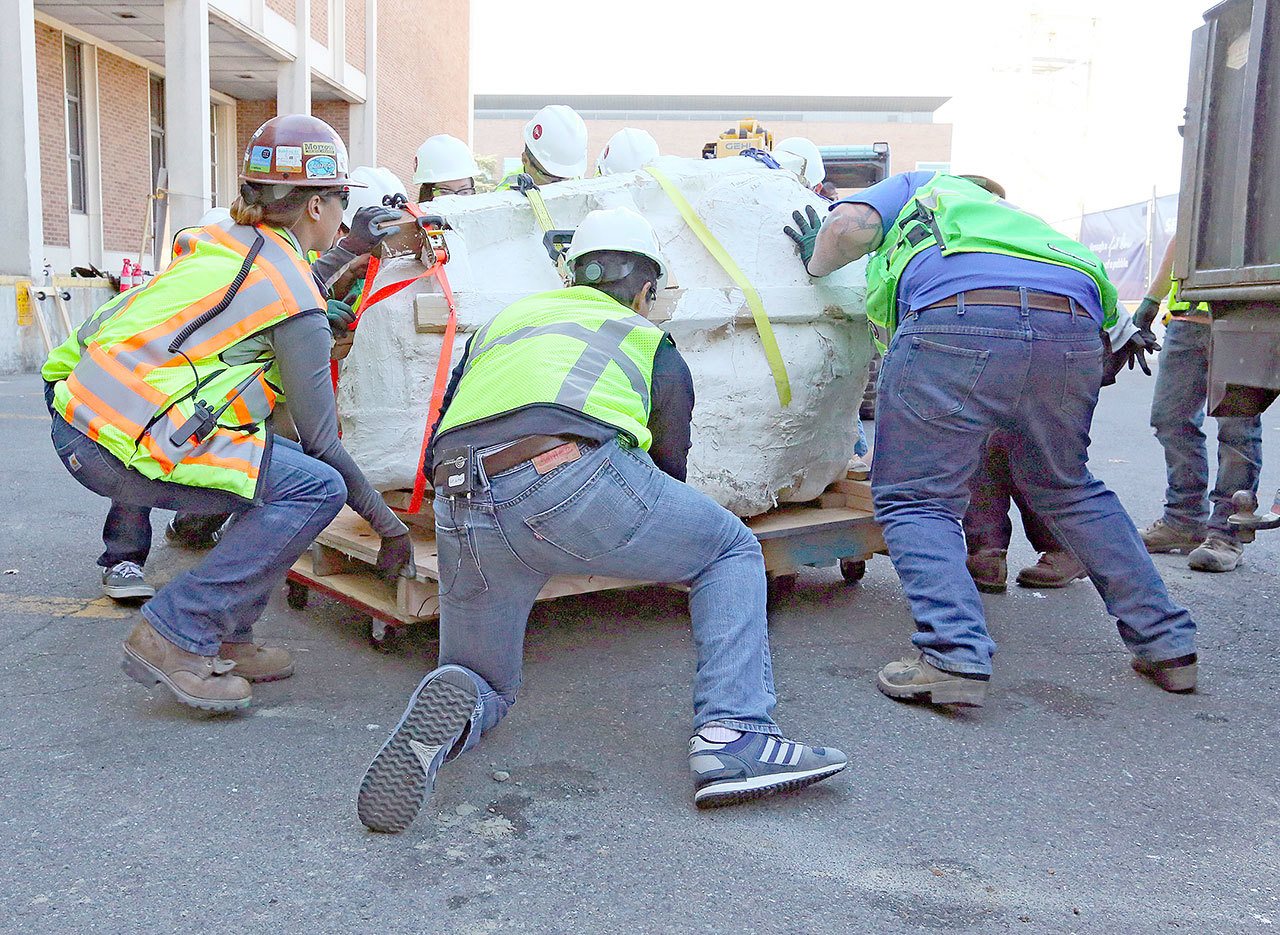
<point x="748" y="134"/>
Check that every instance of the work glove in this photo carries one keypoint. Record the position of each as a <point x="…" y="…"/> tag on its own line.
<point x="1133" y="351"/>
<point x="340" y="316"/>
<point x="395" y="557"/>
<point x="805" y="233"/>
<point x="365" y="235"/>
<point x="1145" y="316"/>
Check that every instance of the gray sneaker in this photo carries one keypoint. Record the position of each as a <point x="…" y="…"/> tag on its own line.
<point x="1216" y="554"/>
<point x="1165" y="537"/>
<point x="756" y="765"/>
<point x="125" y="582"/>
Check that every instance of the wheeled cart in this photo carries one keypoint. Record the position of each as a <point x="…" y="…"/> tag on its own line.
<point x="838" y="528"/>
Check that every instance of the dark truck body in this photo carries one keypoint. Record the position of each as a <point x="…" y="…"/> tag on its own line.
<point x="1228" y="250"/>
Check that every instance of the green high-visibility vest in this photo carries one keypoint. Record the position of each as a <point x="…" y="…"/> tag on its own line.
<point x="574" y="348"/>
<point x="119" y="383"/>
<point x="1176" y="305"/>
<point x="961" y="217"/>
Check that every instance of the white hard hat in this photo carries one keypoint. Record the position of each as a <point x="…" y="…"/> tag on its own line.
<point x="557" y="138"/>
<point x="814" y="172"/>
<point x="213" y="216"/>
<point x="443" y="158"/>
<point x="378" y="182"/>
<point x="620" y="229"/>
<point x="627" y="150"/>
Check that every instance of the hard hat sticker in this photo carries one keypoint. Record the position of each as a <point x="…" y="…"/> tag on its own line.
<point x="342" y="161"/>
<point x="259" y="158"/>
<point x="322" y="167"/>
<point x="288" y="157"/>
<point x="319" y="149"/>
<point x="537" y="131"/>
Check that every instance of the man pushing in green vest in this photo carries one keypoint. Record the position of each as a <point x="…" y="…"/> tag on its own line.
<point x="561" y="451"/>
<point x="993" y="321"/>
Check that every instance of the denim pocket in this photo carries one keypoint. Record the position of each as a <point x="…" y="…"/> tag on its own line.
<point x="600" y="517"/>
<point x="936" y="379"/>
<point x="460" y="576"/>
<point x="1081" y="381"/>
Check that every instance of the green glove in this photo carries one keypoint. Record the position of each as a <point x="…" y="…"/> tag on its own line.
<point x="340" y="316"/>
<point x="805" y="233"/>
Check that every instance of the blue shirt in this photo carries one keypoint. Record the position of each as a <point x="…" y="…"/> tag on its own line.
<point x="931" y="277"/>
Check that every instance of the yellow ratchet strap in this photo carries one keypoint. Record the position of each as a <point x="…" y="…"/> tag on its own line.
<point x="771" y="352"/>
<point x="539" y="208"/>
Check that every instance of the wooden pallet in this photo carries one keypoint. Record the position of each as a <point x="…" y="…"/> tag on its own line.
<point x="836" y="528"/>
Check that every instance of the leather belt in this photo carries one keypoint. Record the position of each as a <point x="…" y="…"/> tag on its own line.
<point x="1044" y="301"/>
<point x="526" y="449"/>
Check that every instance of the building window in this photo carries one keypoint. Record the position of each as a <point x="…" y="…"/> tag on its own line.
<point x="73" y="71"/>
<point x="157" y="129"/>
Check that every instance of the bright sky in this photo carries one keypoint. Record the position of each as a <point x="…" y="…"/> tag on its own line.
<point x="1099" y="131"/>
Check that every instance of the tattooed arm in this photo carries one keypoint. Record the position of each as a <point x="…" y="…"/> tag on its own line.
<point x="851" y="231"/>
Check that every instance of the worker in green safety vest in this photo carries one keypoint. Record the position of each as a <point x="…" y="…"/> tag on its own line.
<point x="1195" y="515"/>
<point x="164" y="397"/>
<point x="993" y="320"/>
<point x="443" y="166"/>
<point x="561" y="451"/>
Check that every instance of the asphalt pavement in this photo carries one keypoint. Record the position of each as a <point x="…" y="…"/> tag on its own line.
<point x="1080" y="799"/>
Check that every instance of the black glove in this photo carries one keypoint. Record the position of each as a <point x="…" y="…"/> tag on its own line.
<point x="395" y="557"/>
<point x="805" y="233"/>
<point x="340" y="316"/>
<point x="1145" y="316"/>
<point x="1135" y="350"/>
<point x="364" y="235"/>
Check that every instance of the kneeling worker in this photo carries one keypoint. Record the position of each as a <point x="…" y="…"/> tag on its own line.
<point x="561" y="451"/>
<point x="162" y="399"/>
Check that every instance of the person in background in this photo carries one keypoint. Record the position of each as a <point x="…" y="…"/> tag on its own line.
<point x="1195" y="517"/>
<point x="562" y="449"/>
<point x="171" y="409"/>
<point x="987" y="529"/>
<point x="994" y="321"/>
<point x="627" y="150"/>
<point x="444" y="165"/>
<point x="809" y="165"/>
<point x="555" y="147"/>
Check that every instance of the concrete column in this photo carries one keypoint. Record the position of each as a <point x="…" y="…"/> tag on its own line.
<point x="186" y="110"/>
<point x="293" y="85"/>
<point x="364" y="117"/>
<point x="21" y="221"/>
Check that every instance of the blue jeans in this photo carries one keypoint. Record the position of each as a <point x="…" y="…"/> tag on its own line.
<point x="992" y="486"/>
<point x="219" y="600"/>
<point x="949" y="380"/>
<point x="610" y="513"/>
<point x="1177" y="415"/>
<point x="126" y="535"/>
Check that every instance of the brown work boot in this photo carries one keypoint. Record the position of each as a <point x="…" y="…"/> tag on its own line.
<point x="1165" y="537"/>
<point x="1053" y="570"/>
<point x="1216" y="553"/>
<point x="202" y="682"/>
<point x="1173" y="675"/>
<point x="989" y="570"/>
<point x="916" y="679"/>
<point x="258" y="663"/>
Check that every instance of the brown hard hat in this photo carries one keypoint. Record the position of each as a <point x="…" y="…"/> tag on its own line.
<point x="299" y="150"/>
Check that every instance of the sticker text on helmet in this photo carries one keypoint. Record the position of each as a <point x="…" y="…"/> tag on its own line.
<point x="259" y="158"/>
<point x="319" y="149"/>
<point x="322" y="167"/>
<point x="288" y="157"/>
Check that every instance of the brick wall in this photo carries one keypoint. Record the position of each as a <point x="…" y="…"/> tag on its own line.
<point x="320" y="21"/>
<point x="336" y="114"/>
<point x="909" y="143"/>
<point x="51" y="107"/>
<point x="126" y="150"/>
<point x="423" y="85"/>
<point x="285" y="8"/>
<point x="354" y="51"/>
<point x="249" y="116"/>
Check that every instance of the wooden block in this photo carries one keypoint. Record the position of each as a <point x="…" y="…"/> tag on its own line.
<point x="327" y="561"/>
<point x="418" y="599"/>
<point x="833" y="500"/>
<point x="431" y="312"/>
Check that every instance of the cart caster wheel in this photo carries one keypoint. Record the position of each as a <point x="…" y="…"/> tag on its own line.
<point x="296" y="595"/>
<point x="382" y="637"/>
<point x="853" y="569"/>
<point x="781" y="587"/>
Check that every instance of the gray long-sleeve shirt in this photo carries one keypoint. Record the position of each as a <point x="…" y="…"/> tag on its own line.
<point x="301" y="348"/>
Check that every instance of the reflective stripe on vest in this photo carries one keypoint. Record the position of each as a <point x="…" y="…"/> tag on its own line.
<point x="563" y="344"/>
<point x="1177" y="305"/>
<point x="961" y="217"/>
<point x="129" y="392"/>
